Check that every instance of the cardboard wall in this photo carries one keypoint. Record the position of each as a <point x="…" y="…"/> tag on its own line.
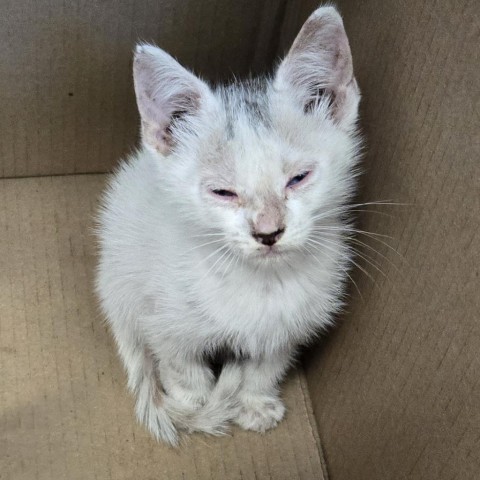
<point x="396" y="387"/>
<point x="67" y="102"/>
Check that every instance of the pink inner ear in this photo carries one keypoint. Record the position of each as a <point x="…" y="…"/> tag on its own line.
<point x="163" y="87"/>
<point x="152" y="112"/>
<point x="320" y="59"/>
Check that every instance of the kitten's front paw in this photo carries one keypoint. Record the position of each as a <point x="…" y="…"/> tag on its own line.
<point x="259" y="412"/>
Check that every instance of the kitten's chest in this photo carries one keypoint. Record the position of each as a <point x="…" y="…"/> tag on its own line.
<point x="257" y="309"/>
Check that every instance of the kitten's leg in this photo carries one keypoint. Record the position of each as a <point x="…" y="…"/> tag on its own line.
<point x="169" y="388"/>
<point x="186" y="378"/>
<point x="261" y="408"/>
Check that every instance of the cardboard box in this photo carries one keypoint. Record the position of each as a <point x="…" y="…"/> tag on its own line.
<point x="393" y="392"/>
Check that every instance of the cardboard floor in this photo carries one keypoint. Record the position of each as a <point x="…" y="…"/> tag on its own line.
<point x="64" y="409"/>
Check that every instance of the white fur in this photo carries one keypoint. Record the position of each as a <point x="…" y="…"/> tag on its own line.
<point x="180" y="273"/>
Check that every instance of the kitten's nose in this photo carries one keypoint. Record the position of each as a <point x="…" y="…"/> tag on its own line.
<point x="268" y="239"/>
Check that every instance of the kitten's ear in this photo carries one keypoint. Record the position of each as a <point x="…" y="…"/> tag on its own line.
<point x="166" y="94"/>
<point x="319" y="67"/>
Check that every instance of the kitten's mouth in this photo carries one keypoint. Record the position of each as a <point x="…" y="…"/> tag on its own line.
<point x="272" y="252"/>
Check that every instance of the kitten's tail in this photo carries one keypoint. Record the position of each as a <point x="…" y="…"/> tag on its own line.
<point x="164" y="416"/>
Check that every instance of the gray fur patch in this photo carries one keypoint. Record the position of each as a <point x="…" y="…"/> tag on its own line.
<point x="247" y="98"/>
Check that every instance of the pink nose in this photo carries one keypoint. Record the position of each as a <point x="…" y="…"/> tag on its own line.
<point x="268" y="221"/>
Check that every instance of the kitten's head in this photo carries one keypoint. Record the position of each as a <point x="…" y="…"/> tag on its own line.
<point x="257" y="163"/>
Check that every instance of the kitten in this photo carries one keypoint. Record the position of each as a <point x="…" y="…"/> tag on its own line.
<point x="226" y="231"/>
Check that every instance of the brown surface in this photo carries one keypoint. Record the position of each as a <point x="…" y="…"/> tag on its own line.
<point x="396" y="389"/>
<point x="67" y="103"/>
<point x="64" y="409"/>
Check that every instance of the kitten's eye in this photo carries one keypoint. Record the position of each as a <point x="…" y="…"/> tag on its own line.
<point x="227" y="194"/>
<point x="297" y="179"/>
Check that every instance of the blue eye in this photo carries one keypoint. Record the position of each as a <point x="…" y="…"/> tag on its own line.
<point x="297" y="179"/>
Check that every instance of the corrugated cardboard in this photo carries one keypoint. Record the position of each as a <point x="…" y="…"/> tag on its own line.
<point x="396" y="389"/>
<point x="67" y="102"/>
<point x="64" y="409"/>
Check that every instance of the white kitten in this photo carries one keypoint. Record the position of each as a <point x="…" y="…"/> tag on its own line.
<point x="225" y="231"/>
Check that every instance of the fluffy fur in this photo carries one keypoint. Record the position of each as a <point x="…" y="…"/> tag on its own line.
<point x="183" y="270"/>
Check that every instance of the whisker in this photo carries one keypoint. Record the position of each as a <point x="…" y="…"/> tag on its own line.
<point x="365" y="257"/>
<point x="355" y="240"/>
<point x="218" y="250"/>
<point x="226" y="252"/>
<point x="372" y="211"/>
<point x="387" y="245"/>
<point x="370" y="261"/>
<point x="349" y="229"/>
<point x="350" y="236"/>
<point x="208" y="235"/>
<point x="203" y="245"/>
<point x="354" y="207"/>
<point x="350" y="259"/>
<point x="225" y="264"/>
<point x="382" y="202"/>
<point x="232" y="264"/>
<point x="337" y="264"/>
<point x="236" y="262"/>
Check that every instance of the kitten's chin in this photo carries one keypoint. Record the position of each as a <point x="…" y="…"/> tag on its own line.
<point x="270" y="254"/>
